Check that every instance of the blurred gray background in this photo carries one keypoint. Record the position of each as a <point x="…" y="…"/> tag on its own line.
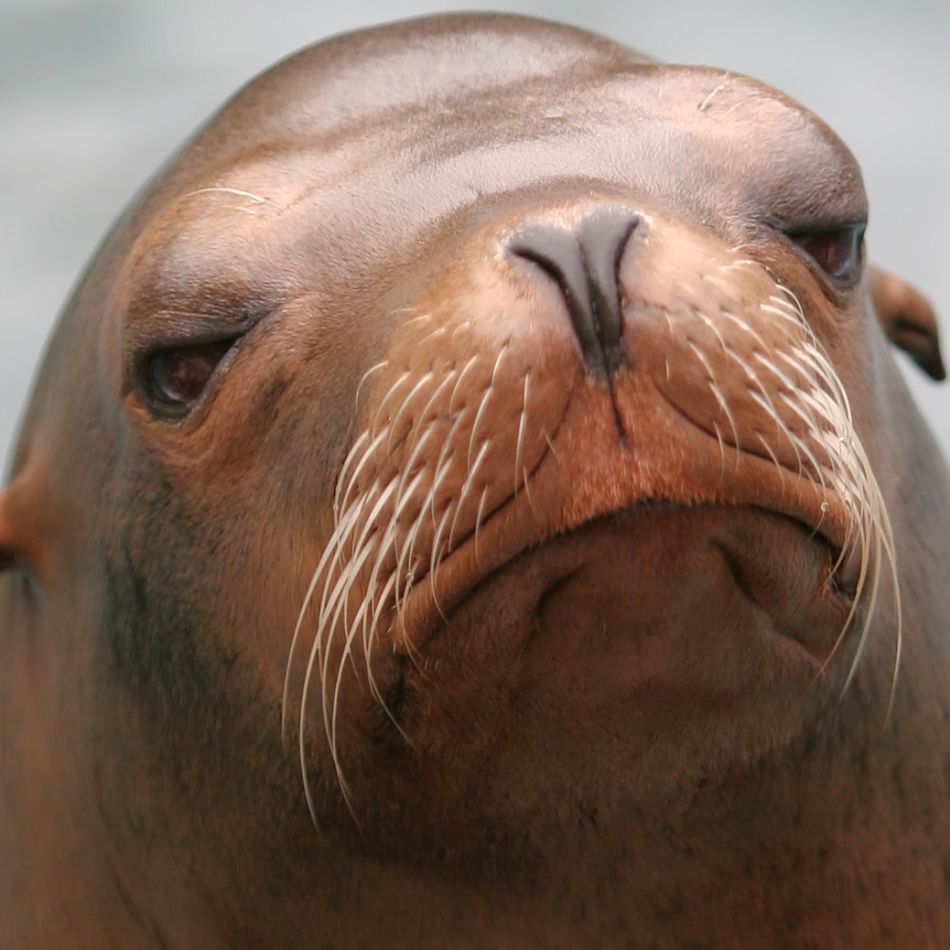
<point x="94" y="94"/>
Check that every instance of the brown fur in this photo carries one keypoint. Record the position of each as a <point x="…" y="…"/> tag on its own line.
<point x="612" y="710"/>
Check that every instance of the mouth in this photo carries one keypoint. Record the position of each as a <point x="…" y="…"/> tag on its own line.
<point x="632" y="526"/>
<point x="772" y="523"/>
<point x="634" y="642"/>
<point x="633" y="567"/>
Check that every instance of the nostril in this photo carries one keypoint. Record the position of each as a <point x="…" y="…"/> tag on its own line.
<point x="584" y="264"/>
<point x="604" y="237"/>
<point x="557" y="253"/>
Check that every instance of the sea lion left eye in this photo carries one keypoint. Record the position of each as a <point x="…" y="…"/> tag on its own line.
<point x="837" y="251"/>
<point x="175" y="378"/>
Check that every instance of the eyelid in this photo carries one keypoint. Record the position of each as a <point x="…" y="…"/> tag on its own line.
<point x="166" y="328"/>
<point x="816" y="228"/>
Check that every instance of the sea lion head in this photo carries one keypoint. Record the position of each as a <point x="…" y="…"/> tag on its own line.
<point x="499" y="414"/>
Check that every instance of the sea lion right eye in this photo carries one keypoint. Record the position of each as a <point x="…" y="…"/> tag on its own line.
<point x="175" y="378"/>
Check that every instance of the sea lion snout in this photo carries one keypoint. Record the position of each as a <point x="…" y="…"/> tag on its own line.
<point x="584" y="262"/>
<point x="583" y="357"/>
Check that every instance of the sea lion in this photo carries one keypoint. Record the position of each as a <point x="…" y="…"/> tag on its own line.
<point x="469" y="500"/>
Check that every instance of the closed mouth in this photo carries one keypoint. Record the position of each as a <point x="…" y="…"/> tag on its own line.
<point x="520" y="524"/>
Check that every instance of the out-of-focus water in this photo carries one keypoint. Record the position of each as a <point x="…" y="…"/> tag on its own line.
<point x="95" y="93"/>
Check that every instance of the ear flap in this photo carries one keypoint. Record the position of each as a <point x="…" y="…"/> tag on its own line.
<point x="908" y="320"/>
<point x="7" y="545"/>
<point x="27" y="523"/>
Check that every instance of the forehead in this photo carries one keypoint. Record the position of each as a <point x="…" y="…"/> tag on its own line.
<point x="437" y="87"/>
<point x="412" y="122"/>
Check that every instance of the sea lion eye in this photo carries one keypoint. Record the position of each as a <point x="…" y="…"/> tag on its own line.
<point x="839" y="252"/>
<point x="176" y="377"/>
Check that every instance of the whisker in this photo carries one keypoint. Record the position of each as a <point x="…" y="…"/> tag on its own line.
<point x="522" y="422"/>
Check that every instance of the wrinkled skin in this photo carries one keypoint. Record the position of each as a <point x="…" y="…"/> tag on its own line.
<point x="615" y="708"/>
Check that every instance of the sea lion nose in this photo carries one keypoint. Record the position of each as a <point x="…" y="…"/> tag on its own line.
<point x="583" y="261"/>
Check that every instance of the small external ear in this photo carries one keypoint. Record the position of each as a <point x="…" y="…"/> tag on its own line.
<point x="30" y="514"/>
<point x="908" y="320"/>
<point x="7" y="544"/>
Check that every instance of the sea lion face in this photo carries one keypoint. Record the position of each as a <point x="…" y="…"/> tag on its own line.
<point x="516" y="549"/>
<point x="505" y="416"/>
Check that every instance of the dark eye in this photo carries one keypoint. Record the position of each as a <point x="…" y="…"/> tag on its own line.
<point x="175" y="378"/>
<point x="837" y="251"/>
